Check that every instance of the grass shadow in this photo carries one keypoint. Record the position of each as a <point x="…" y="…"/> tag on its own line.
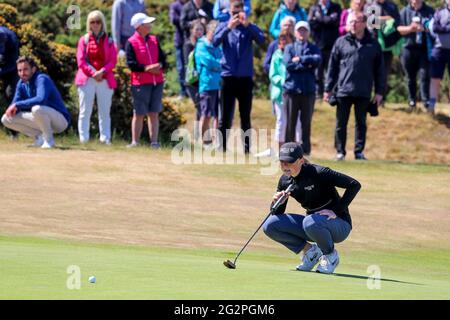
<point x="65" y="148"/>
<point x="344" y="275"/>
<point x="365" y="278"/>
<point x="443" y="119"/>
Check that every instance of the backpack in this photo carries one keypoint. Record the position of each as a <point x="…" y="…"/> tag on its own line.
<point x="389" y="38"/>
<point x="192" y="75"/>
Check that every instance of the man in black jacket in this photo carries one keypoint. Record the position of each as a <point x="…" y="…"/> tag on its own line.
<point x="193" y="10"/>
<point x="414" y="22"/>
<point x="324" y="21"/>
<point x="356" y="63"/>
<point x="327" y="220"/>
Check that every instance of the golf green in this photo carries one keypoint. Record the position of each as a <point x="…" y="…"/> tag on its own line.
<point x="33" y="268"/>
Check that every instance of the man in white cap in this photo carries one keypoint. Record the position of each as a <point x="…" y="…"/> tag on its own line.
<point x="302" y="59"/>
<point x="146" y="61"/>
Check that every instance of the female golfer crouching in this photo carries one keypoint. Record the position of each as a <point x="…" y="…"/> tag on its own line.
<point x="327" y="219"/>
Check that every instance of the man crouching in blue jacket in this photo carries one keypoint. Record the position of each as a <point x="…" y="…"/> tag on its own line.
<point x="37" y="109"/>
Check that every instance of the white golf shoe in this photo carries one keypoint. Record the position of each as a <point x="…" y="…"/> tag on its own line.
<point x="38" y="142"/>
<point x="48" y="144"/>
<point x="328" y="263"/>
<point x="310" y="258"/>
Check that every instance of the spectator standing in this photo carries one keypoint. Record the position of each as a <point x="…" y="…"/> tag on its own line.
<point x="192" y="11"/>
<point x="175" y="15"/>
<point x="440" y="56"/>
<point x="146" y="60"/>
<point x="9" y="53"/>
<point x="355" y="6"/>
<point x="37" y="110"/>
<point x="277" y="76"/>
<point x="197" y="31"/>
<point x="207" y="58"/>
<point x="356" y="64"/>
<point x="237" y="36"/>
<point x="288" y="23"/>
<point x="96" y="58"/>
<point x="287" y="8"/>
<point x="122" y="11"/>
<point x="221" y="10"/>
<point x="389" y="19"/>
<point x="301" y="59"/>
<point x="324" y="21"/>
<point x="414" y="19"/>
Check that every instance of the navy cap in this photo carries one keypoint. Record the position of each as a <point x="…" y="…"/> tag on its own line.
<point x="291" y="152"/>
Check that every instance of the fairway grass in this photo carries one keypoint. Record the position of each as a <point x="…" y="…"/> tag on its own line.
<point x="32" y="268"/>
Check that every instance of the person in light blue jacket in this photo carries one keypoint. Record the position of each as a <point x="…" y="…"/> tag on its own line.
<point x="287" y="8"/>
<point x="207" y="59"/>
<point x="221" y="10"/>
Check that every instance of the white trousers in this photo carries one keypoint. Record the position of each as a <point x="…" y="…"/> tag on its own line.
<point x="87" y="94"/>
<point x="281" y="123"/>
<point x="41" y="120"/>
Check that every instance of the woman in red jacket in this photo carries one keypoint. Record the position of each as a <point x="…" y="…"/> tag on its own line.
<point x="96" y="57"/>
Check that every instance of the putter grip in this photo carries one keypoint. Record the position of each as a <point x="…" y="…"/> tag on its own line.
<point x="282" y="198"/>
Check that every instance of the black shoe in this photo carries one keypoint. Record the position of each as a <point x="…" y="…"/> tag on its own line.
<point x="360" y="156"/>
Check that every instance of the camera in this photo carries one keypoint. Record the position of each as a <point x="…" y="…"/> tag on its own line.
<point x="332" y="101"/>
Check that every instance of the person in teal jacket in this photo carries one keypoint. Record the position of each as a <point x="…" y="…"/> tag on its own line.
<point x="287" y="8"/>
<point x="207" y="59"/>
<point x="277" y="76"/>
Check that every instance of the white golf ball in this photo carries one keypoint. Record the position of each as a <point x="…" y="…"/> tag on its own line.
<point x="92" y="279"/>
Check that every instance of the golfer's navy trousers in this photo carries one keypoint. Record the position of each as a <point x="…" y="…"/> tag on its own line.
<point x="294" y="230"/>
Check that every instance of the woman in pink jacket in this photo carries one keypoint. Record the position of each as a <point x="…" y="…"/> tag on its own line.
<point x="96" y="58"/>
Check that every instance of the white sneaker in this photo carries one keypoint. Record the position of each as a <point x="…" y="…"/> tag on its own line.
<point x="38" y="142"/>
<point x="310" y="258"/>
<point x="48" y="144"/>
<point x="133" y="145"/>
<point x="340" y="157"/>
<point x="106" y="142"/>
<point x="264" y="154"/>
<point x="328" y="263"/>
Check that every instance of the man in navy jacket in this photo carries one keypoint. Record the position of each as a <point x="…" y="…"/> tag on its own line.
<point x="301" y="59"/>
<point x="237" y="36"/>
<point x="37" y="109"/>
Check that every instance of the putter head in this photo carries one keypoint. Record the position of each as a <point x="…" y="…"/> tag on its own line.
<point x="229" y="264"/>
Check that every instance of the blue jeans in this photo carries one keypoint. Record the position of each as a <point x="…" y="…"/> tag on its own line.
<point x="294" y="230"/>
<point x="180" y="69"/>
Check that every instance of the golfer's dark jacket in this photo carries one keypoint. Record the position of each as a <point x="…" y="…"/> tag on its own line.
<point x="315" y="189"/>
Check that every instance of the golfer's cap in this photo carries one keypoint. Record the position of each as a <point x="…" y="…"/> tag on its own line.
<point x="290" y="152"/>
<point x="141" y="18"/>
<point x="302" y="24"/>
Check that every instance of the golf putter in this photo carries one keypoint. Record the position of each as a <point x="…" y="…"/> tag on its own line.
<point x="232" y="264"/>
